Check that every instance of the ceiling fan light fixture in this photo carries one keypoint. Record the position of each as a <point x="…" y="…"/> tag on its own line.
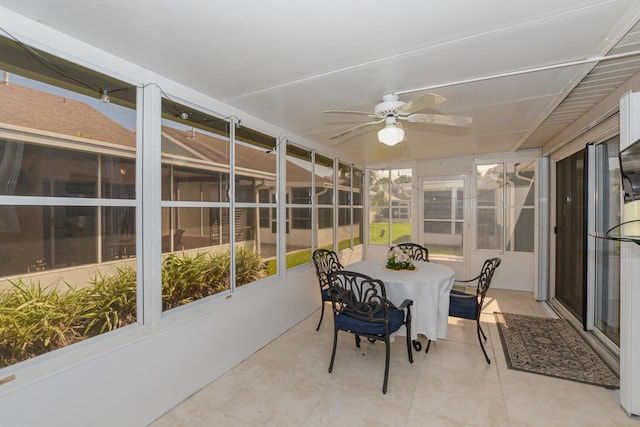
<point x="390" y="134"/>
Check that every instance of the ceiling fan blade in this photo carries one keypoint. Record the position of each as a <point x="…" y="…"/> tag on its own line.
<point x="440" y="119"/>
<point x="355" y="128"/>
<point x="418" y="104"/>
<point x="370" y="114"/>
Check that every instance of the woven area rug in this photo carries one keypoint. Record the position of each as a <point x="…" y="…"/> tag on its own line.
<point x="551" y="347"/>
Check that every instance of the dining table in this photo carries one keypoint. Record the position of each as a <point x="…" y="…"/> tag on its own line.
<point x="428" y="285"/>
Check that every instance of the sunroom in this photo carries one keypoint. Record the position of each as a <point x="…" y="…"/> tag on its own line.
<point x="125" y="176"/>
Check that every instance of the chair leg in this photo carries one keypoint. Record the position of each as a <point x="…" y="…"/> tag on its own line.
<point x="480" y="331"/>
<point x="409" y="349"/>
<point x="321" y="315"/>
<point x="408" y="326"/>
<point x="333" y="353"/>
<point x="358" y="341"/>
<point x="386" y="364"/>
<point x="428" y="345"/>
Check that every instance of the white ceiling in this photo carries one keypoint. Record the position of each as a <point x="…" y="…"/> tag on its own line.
<point x="507" y="64"/>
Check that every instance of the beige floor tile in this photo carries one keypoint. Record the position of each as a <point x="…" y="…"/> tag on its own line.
<point x="287" y="383"/>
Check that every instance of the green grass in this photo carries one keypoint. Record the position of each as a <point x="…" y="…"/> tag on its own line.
<point x="303" y="256"/>
<point x="379" y="233"/>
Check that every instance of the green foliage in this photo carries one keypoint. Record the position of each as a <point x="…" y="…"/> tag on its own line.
<point x="109" y="302"/>
<point x="249" y="266"/>
<point x="186" y="279"/>
<point x="36" y="319"/>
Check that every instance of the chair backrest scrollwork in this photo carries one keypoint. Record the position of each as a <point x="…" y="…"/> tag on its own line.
<point x="325" y="262"/>
<point x="359" y="296"/>
<point x="486" y="275"/>
<point x="418" y="252"/>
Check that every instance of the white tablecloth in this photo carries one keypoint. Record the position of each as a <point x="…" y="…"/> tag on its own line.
<point x="428" y="286"/>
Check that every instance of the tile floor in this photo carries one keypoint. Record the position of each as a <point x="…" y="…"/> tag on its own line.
<point x="286" y="383"/>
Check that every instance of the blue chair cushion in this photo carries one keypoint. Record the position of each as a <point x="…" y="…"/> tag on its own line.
<point x="325" y="295"/>
<point x="465" y="307"/>
<point x="347" y="323"/>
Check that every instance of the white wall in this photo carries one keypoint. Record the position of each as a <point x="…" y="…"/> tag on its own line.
<point x="135" y="379"/>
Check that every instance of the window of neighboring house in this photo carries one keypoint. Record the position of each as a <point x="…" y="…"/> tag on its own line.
<point x="265" y="213"/>
<point x="390" y="206"/>
<point x="67" y="205"/>
<point x="505" y="206"/>
<point x="443" y="217"/>
<point x="299" y="164"/>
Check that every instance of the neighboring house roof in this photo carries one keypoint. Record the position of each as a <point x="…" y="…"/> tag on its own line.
<point x="34" y="109"/>
<point x="217" y="150"/>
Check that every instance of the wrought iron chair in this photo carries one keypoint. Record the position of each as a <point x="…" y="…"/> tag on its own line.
<point x="360" y="307"/>
<point x="469" y="306"/>
<point x="419" y="252"/>
<point x="326" y="262"/>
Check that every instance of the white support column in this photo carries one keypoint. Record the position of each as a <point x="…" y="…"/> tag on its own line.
<point x="149" y="218"/>
<point x="629" y="269"/>
<point x="541" y="283"/>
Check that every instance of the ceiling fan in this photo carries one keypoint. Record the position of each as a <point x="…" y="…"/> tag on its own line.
<point x="391" y="109"/>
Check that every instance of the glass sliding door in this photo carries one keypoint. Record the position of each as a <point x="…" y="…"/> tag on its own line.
<point x="587" y="276"/>
<point x="607" y="254"/>
<point x="570" y="234"/>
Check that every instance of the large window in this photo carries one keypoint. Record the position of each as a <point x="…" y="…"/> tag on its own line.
<point x="324" y="203"/>
<point x="390" y="206"/>
<point x="443" y="217"/>
<point x="200" y="222"/>
<point x="350" y="184"/>
<point x="505" y="206"/>
<point x="255" y="207"/>
<point x="67" y="204"/>
<point x="69" y="220"/>
<point x="299" y="204"/>
<point x="357" y="194"/>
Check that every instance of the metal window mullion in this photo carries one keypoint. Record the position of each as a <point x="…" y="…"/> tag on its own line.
<point x="171" y="210"/>
<point x="99" y="213"/>
<point x="281" y="199"/>
<point x="453" y="209"/>
<point x="390" y="207"/>
<point x="336" y="220"/>
<point x="313" y="200"/>
<point x="351" y="209"/>
<point x="232" y="210"/>
<point x="505" y="227"/>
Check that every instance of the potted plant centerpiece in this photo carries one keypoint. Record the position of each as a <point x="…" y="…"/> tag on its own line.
<point x="398" y="259"/>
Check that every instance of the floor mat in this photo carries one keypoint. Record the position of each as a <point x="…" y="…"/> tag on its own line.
<point x="551" y="347"/>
